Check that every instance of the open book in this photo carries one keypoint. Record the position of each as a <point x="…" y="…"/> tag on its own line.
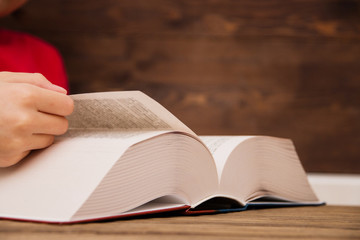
<point x="125" y="154"/>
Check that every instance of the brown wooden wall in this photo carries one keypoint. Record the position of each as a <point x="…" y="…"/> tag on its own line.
<point x="282" y="68"/>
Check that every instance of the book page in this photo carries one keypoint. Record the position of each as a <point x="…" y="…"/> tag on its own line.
<point x="170" y="164"/>
<point x="263" y="166"/>
<point x="221" y="148"/>
<point x="114" y="113"/>
<point x="51" y="184"/>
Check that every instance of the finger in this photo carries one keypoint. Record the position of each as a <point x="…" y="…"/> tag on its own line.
<point x="9" y="161"/>
<point x="39" y="141"/>
<point x="36" y="79"/>
<point x="50" y="124"/>
<point x="53" y="103"/>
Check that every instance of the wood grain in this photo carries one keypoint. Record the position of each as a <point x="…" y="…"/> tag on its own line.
<point x="289" y="69"/>
<point x="327" y="222"/>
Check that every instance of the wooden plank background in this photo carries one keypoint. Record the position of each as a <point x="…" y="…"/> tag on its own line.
<point x="282" y="68"/>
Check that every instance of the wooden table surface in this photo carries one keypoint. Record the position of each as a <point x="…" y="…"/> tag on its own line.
<point x="324" y="222"/>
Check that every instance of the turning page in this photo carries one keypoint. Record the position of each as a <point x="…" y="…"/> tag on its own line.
<point x="113" y="112"/>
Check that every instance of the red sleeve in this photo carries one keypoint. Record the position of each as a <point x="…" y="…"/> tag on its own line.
<point x="20" y="52"/>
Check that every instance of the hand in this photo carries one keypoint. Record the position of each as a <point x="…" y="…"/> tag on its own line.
<point x="32" y="112"/>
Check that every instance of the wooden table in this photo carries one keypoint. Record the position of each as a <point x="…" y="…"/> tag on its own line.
<point x="324" y="222"/>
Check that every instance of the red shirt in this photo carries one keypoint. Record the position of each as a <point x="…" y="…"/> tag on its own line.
<point x="21" y="52"/>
